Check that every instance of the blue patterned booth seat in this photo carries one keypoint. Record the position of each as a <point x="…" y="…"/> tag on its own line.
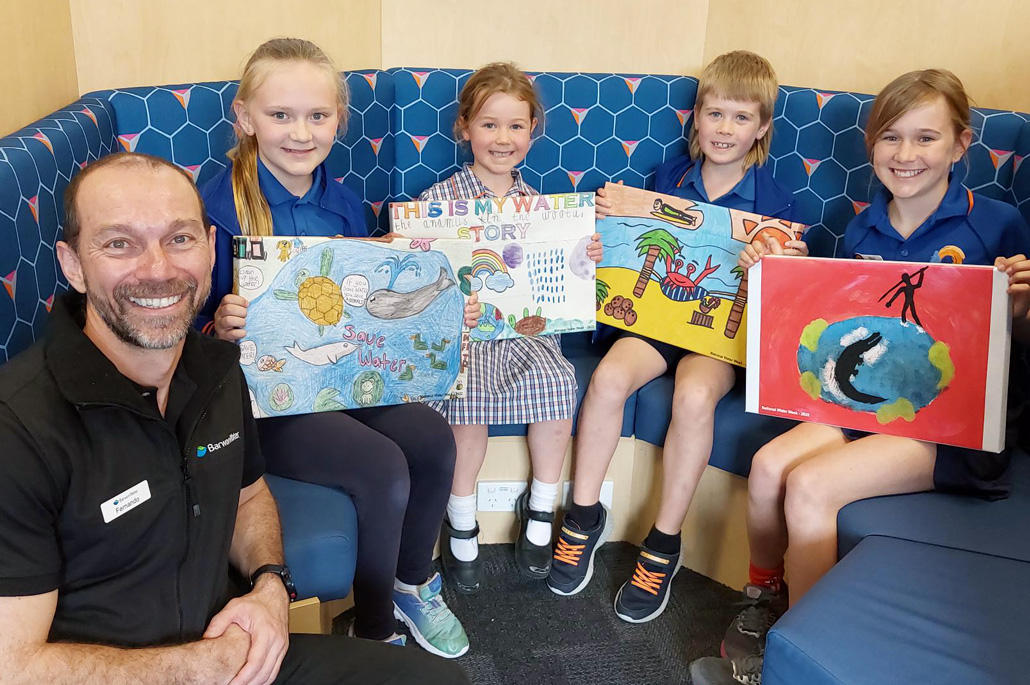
<point x="598" y="127"/>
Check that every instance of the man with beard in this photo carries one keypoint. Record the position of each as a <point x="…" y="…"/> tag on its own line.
<point x="131" y="474"/>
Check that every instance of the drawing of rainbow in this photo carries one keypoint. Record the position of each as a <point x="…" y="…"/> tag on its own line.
<point x="486" y="263"/>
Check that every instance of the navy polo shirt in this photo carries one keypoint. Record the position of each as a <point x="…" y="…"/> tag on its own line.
<point x="292" y="215"/>
<point x="691" y="186"/>
<point x="966" y="228"/>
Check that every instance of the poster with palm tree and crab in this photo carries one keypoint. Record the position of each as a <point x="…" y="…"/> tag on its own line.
<point x="670" y="269"/>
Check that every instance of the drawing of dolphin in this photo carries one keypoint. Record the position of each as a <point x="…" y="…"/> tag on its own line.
<point x="323" y="354"/>
<point x="390" y="304"/>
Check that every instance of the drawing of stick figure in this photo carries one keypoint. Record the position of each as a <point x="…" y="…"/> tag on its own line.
<point x="907" y="286"/>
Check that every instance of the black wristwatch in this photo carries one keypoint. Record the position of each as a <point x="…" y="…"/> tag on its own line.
<point x="284" y="575"/>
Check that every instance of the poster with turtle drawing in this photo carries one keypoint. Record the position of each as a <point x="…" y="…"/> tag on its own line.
<point x="670" y="269"/>
<point x="529" y="258"/>
<point x="338" y="323"/>
<point x="916" y="350"/>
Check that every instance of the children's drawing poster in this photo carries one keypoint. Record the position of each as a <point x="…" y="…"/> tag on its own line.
<point x="529" y="258"/>
<point x="346" y="323"/>
<point x="670" y="269"/>
<point x="916" y="350"/>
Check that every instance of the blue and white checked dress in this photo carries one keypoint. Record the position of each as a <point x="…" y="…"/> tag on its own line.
<point x="522" y="380"/>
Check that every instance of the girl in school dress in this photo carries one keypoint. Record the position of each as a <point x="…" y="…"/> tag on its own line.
<point x="522" y="380"/>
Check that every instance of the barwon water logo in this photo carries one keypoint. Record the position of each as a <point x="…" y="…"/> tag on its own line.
<point x="203" y="450"/>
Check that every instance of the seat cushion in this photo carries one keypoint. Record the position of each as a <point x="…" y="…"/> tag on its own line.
<point x="996" y="528"/>
<point x="738" y="435"/>
<point x="584" y="357"/>
<point x="895" y="611"/>
<point x="320" y="537"/>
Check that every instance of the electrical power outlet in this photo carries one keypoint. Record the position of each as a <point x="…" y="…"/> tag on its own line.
<point x="496" y="495"/>
<point x="607" y="491"/>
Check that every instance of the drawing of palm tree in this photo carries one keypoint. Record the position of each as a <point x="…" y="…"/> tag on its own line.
<point x="739" y="300"/>
<point x="601" y="292"/>
<point x="652" y="245"/>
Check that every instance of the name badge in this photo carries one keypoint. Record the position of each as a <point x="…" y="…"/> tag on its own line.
<point x="126" y="501"/>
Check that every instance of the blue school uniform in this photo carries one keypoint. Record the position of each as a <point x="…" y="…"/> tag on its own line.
<point x="410" y="444"/>
<point x="966" y="228"/>
<point x="326" y="210"/>
<point x="757" y="192"/>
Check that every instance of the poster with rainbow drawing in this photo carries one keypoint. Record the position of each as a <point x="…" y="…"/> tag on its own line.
<point x="529" y="258"/>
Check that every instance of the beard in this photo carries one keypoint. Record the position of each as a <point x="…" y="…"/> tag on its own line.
<point x="149" y="332"/>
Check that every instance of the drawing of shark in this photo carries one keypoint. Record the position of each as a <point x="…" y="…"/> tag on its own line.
<point x="390" y="304"/>
<point x="323" y="354"/>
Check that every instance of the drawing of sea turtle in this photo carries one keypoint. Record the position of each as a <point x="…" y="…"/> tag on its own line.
<point x="319" y="298"/>
<point x="528" y="325"/>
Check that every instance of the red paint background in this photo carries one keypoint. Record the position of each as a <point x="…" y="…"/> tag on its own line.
<point x="796" y="291"/>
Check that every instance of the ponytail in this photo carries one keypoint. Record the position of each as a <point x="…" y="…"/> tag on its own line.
<point x="252" y="208"/>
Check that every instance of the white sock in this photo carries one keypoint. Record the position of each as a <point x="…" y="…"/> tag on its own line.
<point x="461" y="512"/>
<point x="542" y="497"/>
<point x="404" y="587"/>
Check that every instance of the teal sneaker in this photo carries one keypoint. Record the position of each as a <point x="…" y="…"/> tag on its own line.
<point x="431" y="623"/>
<point x="396" y="639"/>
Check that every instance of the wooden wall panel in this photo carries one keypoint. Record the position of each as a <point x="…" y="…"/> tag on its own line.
<point x="37" y="62"/>
<point x="121" y="43"/>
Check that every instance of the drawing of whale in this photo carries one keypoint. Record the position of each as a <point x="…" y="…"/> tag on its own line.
<point x="390" y="304"/>
<point x="323" y="354"/>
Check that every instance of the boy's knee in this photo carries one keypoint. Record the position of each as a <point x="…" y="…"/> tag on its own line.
<point x="694" y="400"/>
<point x="610" y="382"/>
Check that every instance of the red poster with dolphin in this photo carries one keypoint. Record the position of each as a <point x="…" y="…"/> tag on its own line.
<point x="915" y="350"/>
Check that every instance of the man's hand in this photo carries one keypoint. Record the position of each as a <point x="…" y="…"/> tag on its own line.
<point x="264" y="614"/>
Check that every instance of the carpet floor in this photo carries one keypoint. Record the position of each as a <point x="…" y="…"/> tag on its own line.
<point x="521" y="633"/>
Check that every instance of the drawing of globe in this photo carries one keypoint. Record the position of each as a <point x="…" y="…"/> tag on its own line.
<point x="491" y="323"/>
<point x="873" y="364"/>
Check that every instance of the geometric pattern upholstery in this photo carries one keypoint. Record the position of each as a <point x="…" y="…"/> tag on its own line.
<point x="399" y="141"/>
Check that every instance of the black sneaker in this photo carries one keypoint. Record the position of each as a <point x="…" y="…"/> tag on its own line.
<point x="712" y="670"/>
<point x="533" y="560"/>
<point x="644" y="596"/>
<point x="748" y="630"/>
<point x="464" y="576"/>
<point x="574" y="550"/>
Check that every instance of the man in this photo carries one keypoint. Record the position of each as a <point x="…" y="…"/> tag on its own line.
<point x="116" y="530"/>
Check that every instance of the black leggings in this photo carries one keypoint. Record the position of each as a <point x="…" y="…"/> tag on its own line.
<point x="396" y="463"/>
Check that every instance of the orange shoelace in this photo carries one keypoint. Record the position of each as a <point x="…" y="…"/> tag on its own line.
<point x="568" y="553"/>
<point x="648" y="581"/>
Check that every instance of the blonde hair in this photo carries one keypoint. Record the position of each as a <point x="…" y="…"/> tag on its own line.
<point x="252" y="209"/>
<point x="498" y="77"/>
<point x="745" y="77"/>
<point x="912" y="90"/>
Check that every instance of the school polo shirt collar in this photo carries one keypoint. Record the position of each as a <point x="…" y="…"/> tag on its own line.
<point x="469" y="186"/>
<point x="744" y="190"/>
<point x="957" y="202"/>
<point x="276" y="194"/>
